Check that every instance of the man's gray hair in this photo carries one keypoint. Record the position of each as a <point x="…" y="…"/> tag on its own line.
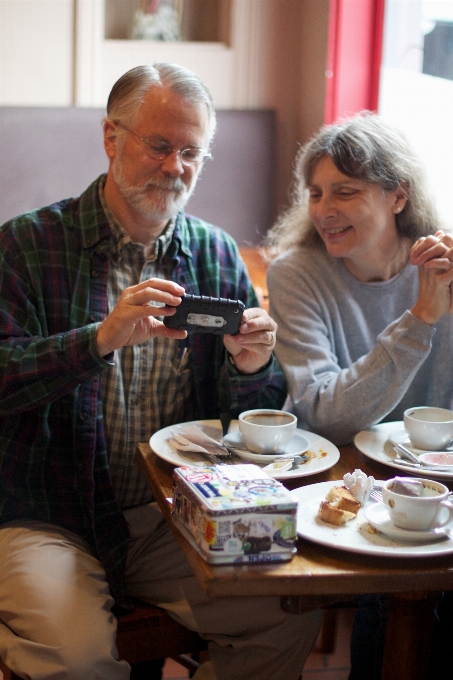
<point x="128" y="93"/>
<point x="363" y="147"/>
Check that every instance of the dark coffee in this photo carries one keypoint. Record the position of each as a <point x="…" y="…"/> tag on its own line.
<point x="274" y="419"/>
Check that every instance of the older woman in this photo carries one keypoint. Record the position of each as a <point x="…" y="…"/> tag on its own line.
<point x="362" y="333"/>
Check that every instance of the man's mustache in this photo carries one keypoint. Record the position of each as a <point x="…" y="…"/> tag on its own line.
<point x="166" y="183"/>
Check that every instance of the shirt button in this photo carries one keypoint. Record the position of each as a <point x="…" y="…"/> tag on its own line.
<point x="83" y="416"/>
<point x="94" y="273"/>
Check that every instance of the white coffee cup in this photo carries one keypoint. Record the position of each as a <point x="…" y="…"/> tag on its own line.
<point x="429" y="428"/>
<point x="266" y="430"/>
<point x="418" y="512"/>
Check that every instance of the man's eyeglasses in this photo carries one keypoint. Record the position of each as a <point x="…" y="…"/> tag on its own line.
<point x="158" y="151"/>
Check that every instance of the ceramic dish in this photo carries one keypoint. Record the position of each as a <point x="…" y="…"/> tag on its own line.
<point x="323" y="456"/>
<point x="296" y="447"/>
<point x="437" y="458"/>
<point x="357" y="535"/>
<point x="375" y="444"/>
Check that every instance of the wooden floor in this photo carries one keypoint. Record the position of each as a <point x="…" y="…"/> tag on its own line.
<point x="318" y="667"/>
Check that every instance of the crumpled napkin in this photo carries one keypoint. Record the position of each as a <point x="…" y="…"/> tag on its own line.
<point x="200" y="440"/>
<point x="359" y="485"/>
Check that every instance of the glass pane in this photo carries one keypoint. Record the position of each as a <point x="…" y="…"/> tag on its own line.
<point x="416" y="91"/>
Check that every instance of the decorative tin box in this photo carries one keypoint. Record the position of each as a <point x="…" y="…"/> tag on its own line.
<point x="234" y="513"/>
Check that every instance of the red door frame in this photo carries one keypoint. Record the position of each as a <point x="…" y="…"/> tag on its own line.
<point x="354" y="56"/>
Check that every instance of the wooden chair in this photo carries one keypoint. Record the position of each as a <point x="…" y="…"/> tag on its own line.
<point x="257" y="269"/>
<point x="147" y="634"/>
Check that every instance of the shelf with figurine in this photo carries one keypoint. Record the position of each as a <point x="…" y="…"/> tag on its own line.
<point x="168" y="20"/>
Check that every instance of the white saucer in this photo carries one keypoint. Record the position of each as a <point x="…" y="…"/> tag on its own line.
<point x="379" y="518"/>
<point x="401" y="437"/>
<point x="296" y="447"/>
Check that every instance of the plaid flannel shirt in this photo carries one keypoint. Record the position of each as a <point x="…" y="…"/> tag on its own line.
<point x="53" y="295"/>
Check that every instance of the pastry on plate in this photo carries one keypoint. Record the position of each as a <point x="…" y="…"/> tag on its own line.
<point x="339" y="506"/>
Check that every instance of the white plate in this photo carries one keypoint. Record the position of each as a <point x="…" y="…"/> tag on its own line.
<point x="357" y="535"/>
<point x="378" y="516"/>
<point x="375" y="444"/>
<point x="401" y="437"/>
<point x="296" y="447"/>
<point x="325" y="454"/>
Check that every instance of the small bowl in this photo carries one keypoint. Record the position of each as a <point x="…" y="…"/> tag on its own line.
<point x="437" y="458"/>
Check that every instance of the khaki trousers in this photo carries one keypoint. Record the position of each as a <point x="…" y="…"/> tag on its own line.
<point x="55" y="608"/>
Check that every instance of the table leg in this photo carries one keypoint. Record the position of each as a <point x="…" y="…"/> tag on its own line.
<point x="408" y="636"/>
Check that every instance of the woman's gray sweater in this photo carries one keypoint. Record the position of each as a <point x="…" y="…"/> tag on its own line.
<point x="352" y="353"/>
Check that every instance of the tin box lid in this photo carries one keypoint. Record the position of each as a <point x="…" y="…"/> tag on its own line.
<point x="225" y="488"/>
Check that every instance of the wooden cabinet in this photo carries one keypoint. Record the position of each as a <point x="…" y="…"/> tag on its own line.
<point x="221" y="43"/>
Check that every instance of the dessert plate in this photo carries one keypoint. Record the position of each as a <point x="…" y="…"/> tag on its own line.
<point x="357" y="535"/>
<point x="296" y="447"/>
<point x="323" y="454"/>
<point x="378" y="516"/>
<point x="375" y="444"/>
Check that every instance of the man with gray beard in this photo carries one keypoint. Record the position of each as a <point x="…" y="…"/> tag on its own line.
<point x="89" y="370"/>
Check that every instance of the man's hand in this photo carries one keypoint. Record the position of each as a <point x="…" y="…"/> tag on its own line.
<point x="132" y="321"/>
<point x="253" y="346"/>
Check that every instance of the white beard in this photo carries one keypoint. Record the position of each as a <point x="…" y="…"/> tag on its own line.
<point x="159" y="199"/>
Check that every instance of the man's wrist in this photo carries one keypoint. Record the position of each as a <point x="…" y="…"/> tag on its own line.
<point x="233" y="363"/>
<point x="259" y="370"/>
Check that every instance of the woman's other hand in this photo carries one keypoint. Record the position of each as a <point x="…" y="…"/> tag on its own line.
<point x="434" y="257"/>
<point x="433" y="251"/>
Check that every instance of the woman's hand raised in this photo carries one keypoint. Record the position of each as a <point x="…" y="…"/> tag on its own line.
<point x="433" y="255"/>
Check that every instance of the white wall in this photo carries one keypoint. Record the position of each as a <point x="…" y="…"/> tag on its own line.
<point x="36" y="52"/>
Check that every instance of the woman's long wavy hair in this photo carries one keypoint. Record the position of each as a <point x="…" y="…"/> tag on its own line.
<point x="367" y="148"/>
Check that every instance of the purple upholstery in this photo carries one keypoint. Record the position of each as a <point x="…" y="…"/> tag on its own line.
<point x="51" y="153"/>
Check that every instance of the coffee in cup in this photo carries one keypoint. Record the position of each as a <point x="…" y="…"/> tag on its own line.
<point x="429" y="428"/>
<point x="417" y="504"/>
<point x="267" y="430"/>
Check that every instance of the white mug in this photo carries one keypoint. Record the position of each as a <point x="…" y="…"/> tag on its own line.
<point x="429" y="428"/>
<point x="267" y="430"/>
<point x="418" y="512"/>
